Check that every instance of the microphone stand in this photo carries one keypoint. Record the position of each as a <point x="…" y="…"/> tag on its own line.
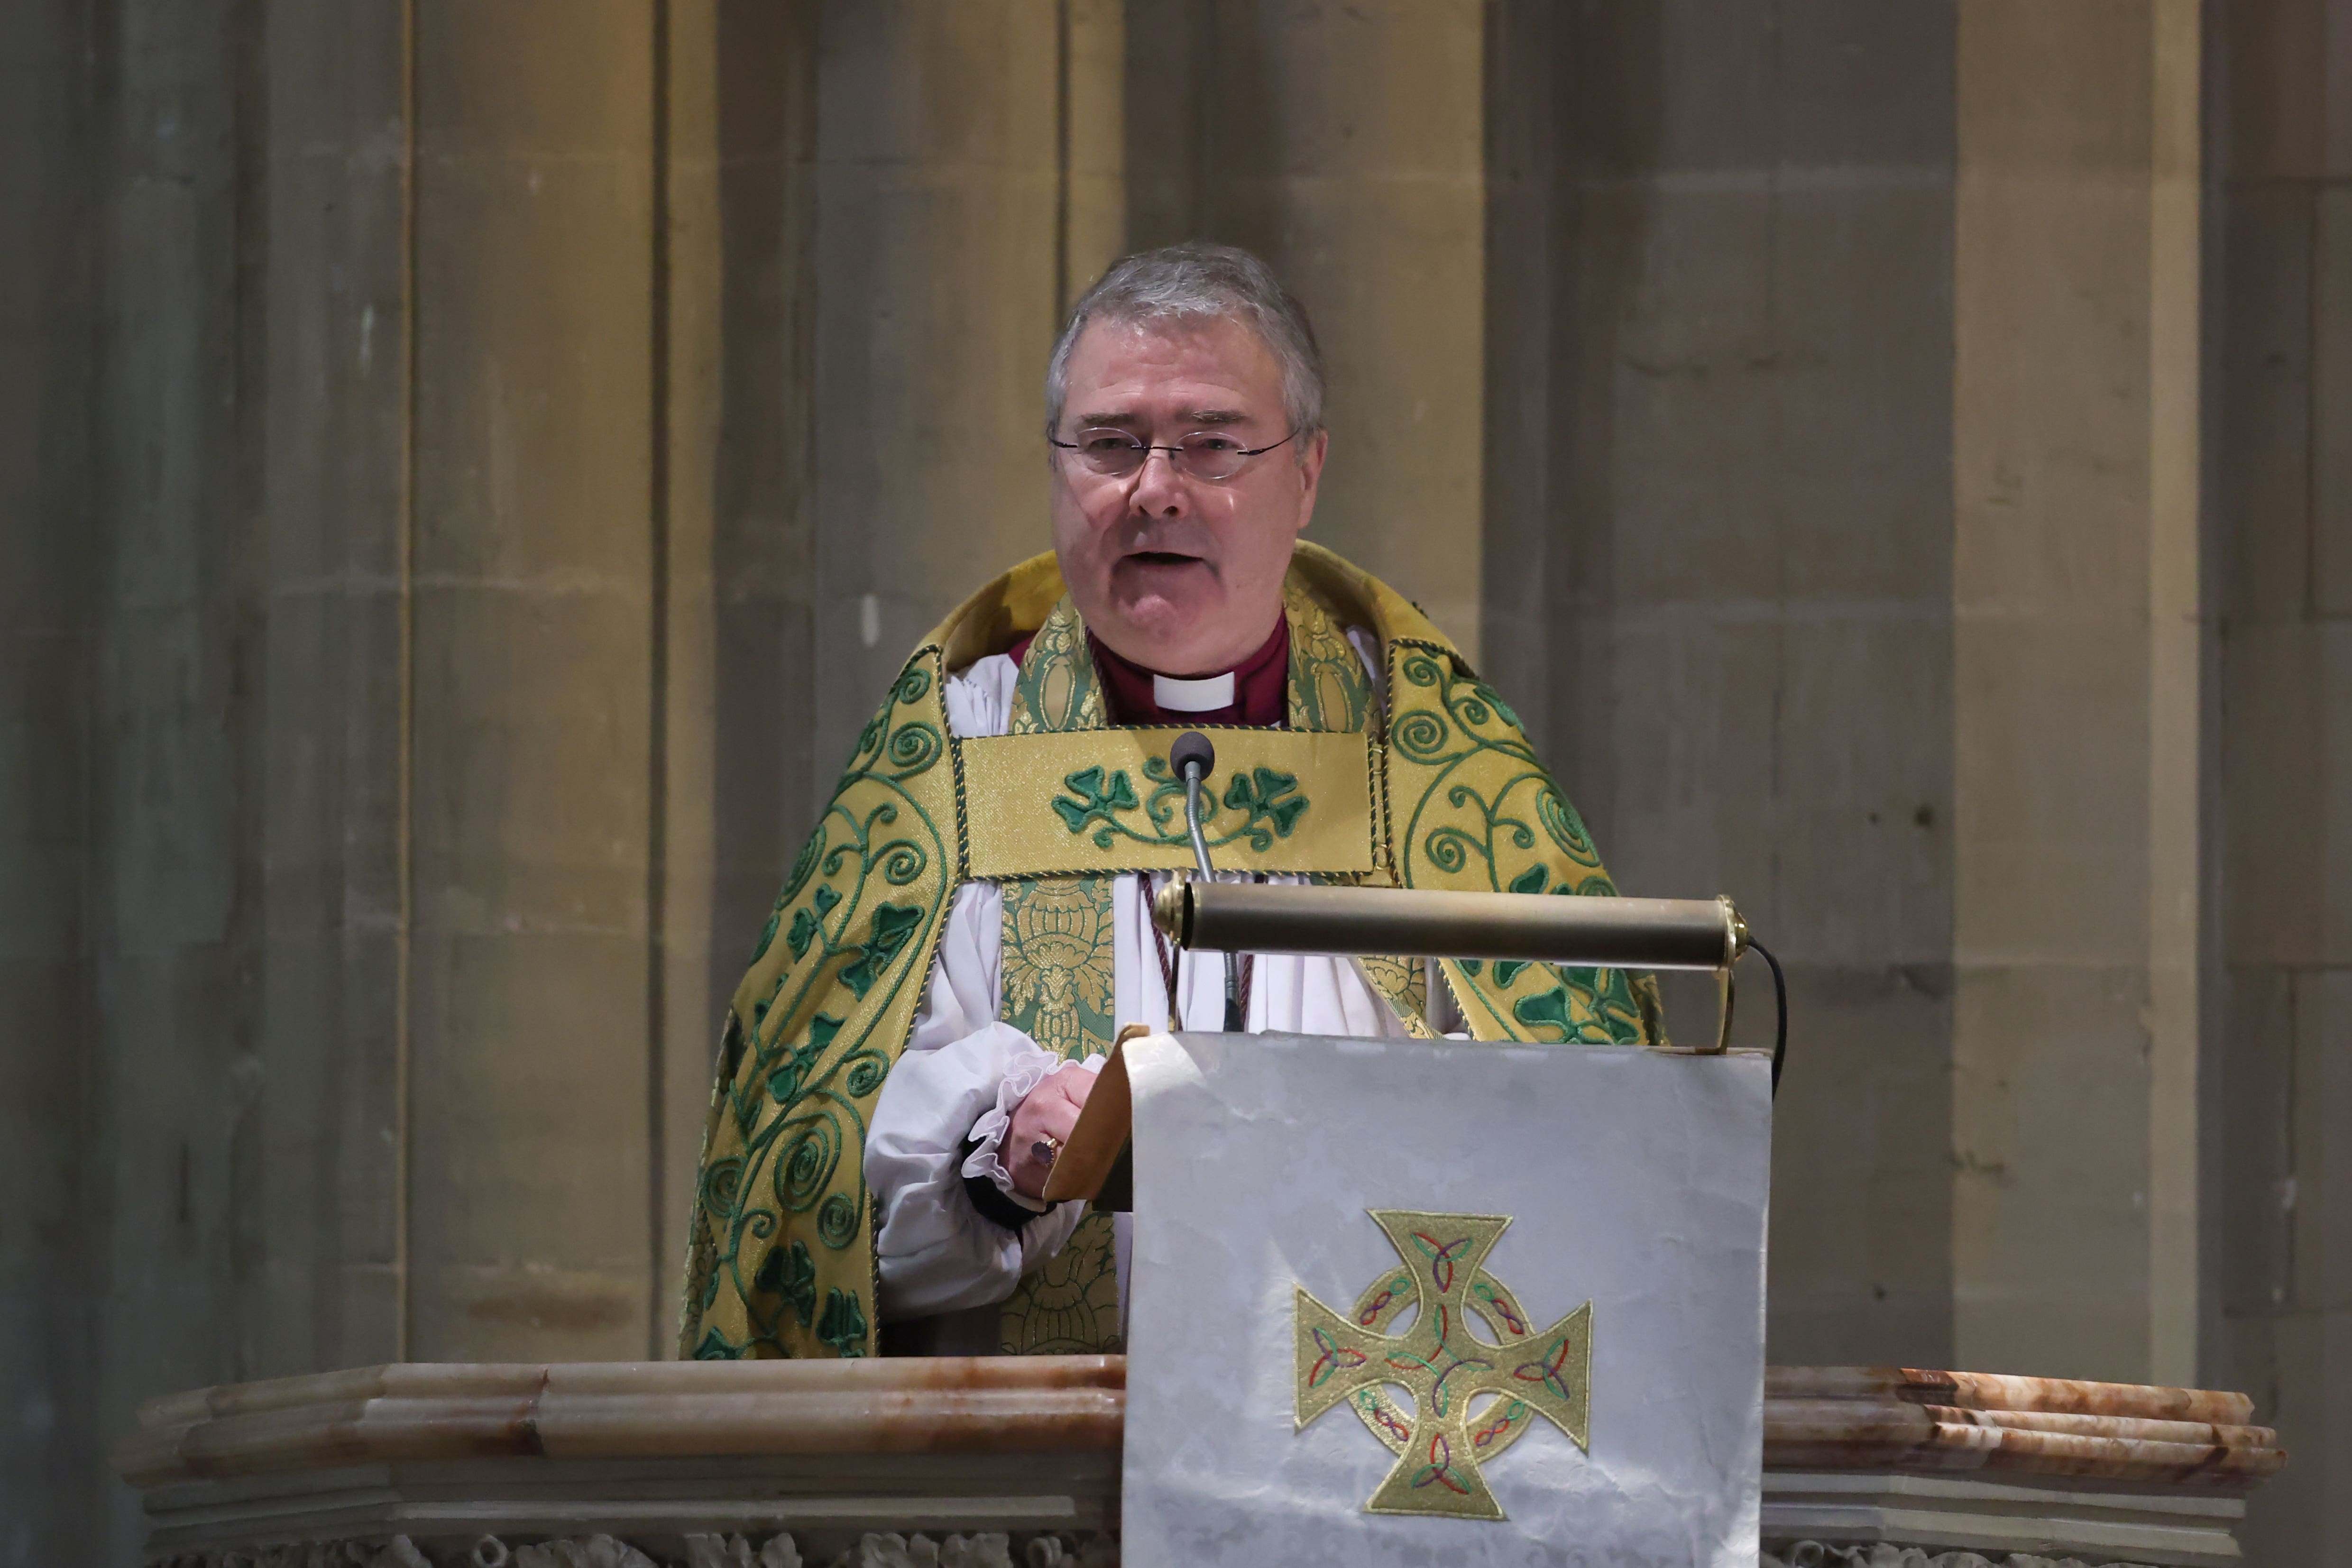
<point x="1192" y="759"/>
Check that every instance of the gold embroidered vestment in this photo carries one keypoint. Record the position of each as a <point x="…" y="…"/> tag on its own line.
<point x="1436" y="786"/>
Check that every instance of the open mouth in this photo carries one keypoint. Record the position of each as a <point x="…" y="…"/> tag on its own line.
<point x="1163" y="557"/>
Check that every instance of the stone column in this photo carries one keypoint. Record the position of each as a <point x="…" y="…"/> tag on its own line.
<point x="738" y="782"/>
<point x="337" y="499"/>
<point x="52" y="1437"/>
<point x="2079" y="641"/>
<point x="441" y="623"/>
<point x="2282" y="454"/>
<point x="937" y="188"/>
<point x="1719" y="557"/>
<point x="1344" y="144"/>
<point x="177" y="1114"/>
<point x="531" y="652"/>
<point x="1091" y="216"/>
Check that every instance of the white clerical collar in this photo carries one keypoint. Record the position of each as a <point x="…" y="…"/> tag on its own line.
<point x="1206" y="694"/>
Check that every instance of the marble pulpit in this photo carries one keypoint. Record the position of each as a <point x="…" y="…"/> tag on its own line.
<point x="1016" y="1460"/>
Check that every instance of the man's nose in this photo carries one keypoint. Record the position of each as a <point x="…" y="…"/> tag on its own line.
<point x="1159" y="489"/>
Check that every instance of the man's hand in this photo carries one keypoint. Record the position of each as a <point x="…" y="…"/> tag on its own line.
<point x="1049" y="1111"/>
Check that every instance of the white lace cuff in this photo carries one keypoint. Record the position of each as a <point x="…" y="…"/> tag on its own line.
<point x="988" y="1132"/>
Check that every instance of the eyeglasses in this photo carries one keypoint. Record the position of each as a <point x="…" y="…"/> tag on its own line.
<point x="1203" y="455"/>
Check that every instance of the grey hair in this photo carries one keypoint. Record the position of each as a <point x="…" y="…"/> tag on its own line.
<point x="1198" y="282"/>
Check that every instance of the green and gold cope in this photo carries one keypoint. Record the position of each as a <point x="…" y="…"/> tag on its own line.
<point x="1436" y="789"/>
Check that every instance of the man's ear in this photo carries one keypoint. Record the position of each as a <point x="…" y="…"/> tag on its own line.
<point x="1310" y="474"/>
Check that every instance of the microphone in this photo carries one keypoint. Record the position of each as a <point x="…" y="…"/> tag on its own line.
<point x="1192" y="760"/>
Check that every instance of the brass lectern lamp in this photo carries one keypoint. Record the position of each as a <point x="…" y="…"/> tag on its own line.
<point x="1256" y="917"/>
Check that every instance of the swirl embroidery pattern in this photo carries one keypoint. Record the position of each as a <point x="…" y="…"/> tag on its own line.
<point x="1484" y="810"/>
<point x="1439" y="1443"/>
<point x="777" y="1262"/>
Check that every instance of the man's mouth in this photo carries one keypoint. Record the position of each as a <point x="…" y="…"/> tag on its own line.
<point x="1163" y="557"/>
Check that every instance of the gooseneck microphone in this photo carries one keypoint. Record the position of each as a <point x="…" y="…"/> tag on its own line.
<point x="1192" y="760"/>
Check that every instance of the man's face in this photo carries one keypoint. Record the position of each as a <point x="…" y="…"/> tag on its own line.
<point x="1181" y="575"/>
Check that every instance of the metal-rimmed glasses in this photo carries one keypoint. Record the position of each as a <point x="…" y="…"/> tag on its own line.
<point x="1203" y="454"/>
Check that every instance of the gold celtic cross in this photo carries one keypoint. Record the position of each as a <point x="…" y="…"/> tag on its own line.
<point x="1441" y="1442"/>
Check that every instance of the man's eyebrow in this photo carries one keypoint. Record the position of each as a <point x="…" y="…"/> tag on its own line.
<point x="1197" y="416"/>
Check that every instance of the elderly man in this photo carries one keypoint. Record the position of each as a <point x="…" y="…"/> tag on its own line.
<point x="969" y="926"/>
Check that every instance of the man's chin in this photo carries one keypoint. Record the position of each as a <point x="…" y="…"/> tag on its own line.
<point x="1161" y="629"/>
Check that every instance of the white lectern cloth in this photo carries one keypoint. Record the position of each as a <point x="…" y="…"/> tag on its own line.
<point x="1633" y="1178"/>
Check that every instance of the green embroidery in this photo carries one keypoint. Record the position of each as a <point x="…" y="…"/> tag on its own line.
<point x="1059" y="988"/>
<point x="805" y="922"/>
<point x="1265" y="801"/>
<point x="1460" y="728"/>
<point x="841" y="956"/>
<point x="1608" y="996"/>
<point x="784" y="1083"/>
<point x="1486" y="809"/>
<point x="1329" y="687"/>
<point x="791" y="1272"/>
<point x="1055" y="962"/>
<point x="1057" y="687"/>
<point x="721" y="1180"/>
<point x="1566" y="829"/>
<point x="768" y="931"/>
<point x="1057" y="985"/>
<point x="716" y="1346"/>
<point x="837" y="1218"/>
<point x="893" y="925"/>
<point x="1260" y="792"/>
<point x="801" y="867"/>
<point x="791" y="1115"/>
<point x="1545" y="1010"/>
<point x="842" y="1326"/>
<point x="1625" y="1002"/>
<point x="1096" y="798"/>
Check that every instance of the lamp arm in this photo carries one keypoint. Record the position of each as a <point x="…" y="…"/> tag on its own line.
<point x="1706" y="934"/>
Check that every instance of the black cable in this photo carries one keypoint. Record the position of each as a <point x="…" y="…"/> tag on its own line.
<point x="1780" y="998"/>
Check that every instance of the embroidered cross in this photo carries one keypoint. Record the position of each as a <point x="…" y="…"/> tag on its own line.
<point x="1441" y="1442"/>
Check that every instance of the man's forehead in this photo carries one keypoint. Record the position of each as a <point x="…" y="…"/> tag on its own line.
<point x="1216" y="367"/>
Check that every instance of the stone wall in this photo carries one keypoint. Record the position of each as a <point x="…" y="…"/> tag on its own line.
<point x="468" y="467"/>
<point x="1719" y="556"/>
<point x="2081" y="746"/>
<point x="50" y="1426"/>
<point x="1345" y="145"/>
<point x="2280" y="508"/>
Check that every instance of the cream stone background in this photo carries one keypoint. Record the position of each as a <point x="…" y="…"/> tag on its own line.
<point x="468" y="466"/>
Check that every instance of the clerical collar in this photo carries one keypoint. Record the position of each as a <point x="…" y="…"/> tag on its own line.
<point x="1254" y="692"/>
<point x="1204" y="695"/>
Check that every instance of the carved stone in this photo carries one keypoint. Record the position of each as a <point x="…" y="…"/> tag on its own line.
<point x="1814" y="1555"/>
<point x="874" y="1549"/>
<point x="1015" y="1460"/>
